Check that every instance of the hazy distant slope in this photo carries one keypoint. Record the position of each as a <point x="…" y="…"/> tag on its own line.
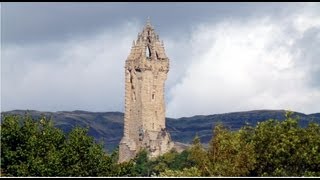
<point x="184" y="129"/>
<point x="104" y="126"/>
<point x="108" y="126"/>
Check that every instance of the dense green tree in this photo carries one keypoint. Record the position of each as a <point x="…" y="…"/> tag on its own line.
<point x="141" y="164"/>
<point x="198" y="155"/>
<point x="36" y="148"/>
<point x="83" y="157"/>
<point x="185" y="172"/>
<point x="172" y="160"/>
<point x="230" y="153"/>
<point x="273" y="148"/>
<point x="30" y="148"/>
<point x="124" y="169"/>
<point x="285" y="149"/>
<point x="310" y="150"/>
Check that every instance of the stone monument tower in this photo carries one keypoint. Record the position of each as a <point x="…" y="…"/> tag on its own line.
<point x="146" y="70"/>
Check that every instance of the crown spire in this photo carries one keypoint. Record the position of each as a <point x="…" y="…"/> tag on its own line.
<point x="148" y="21"/>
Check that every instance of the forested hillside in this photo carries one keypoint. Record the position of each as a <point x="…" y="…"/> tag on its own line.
<point x="108" y="126"/>
<point x="35" y="147"/>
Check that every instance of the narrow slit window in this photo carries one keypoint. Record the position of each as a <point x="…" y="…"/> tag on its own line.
<point x="148" y="52"/>
<point x="138" y="70"/>
<point x="152" y="96"/>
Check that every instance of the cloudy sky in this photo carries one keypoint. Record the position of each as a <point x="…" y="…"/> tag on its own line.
<point x="224" y="57"/>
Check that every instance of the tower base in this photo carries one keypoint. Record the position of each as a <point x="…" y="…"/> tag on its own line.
<point x="155" y="142"/>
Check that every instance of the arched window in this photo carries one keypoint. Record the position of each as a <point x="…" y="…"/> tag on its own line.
<point x="148" y="52"/>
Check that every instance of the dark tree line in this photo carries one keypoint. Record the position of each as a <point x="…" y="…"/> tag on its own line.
<point x="272" y="148"/>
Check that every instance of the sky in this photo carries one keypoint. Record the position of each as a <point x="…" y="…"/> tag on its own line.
<point x="224" y="57"/>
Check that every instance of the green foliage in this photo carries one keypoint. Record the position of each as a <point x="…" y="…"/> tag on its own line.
<point x="120" y="169"/>
<point x="142" y="164"/>
<point x="171" y="160"/>
<point x="310" y="150"/>
<point x="272" y="148"/>
<point x="186" y="172"/>
<point x="285" y="149"/>
<point x="83" y="157"/>
<point x="30" y="148"/>
<point x="230" y="153"/>
<point x="37" y="148"/>
<point x="199" y="157"/>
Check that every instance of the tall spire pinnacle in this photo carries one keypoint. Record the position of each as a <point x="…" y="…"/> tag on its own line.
<point x="146" y="70"/>
<point x="148" y="21"/>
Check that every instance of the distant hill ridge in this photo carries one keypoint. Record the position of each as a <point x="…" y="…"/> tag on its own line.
<point x="108" y="126"/>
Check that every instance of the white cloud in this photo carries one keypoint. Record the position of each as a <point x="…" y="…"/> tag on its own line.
<point x="233" y="65"/>
<point x="85" y="73"/>
<point x="245" y="65"/>
<point x="307" y="17"/>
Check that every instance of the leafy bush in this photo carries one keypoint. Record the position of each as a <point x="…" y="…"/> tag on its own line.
<point x="37" y="148"/>
<point x="273" y="148"/>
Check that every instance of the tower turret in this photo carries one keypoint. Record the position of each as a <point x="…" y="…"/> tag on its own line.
<point x="146" y="70"/>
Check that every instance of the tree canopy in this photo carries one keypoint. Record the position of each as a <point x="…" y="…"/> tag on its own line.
<point x="31" y="147"/>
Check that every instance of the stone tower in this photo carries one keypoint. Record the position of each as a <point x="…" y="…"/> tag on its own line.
<point x="146" y="70"/>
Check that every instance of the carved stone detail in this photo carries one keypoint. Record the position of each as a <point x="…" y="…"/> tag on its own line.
<point x="146" y="70"/>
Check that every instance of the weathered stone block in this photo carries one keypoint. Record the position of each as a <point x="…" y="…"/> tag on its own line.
<point x="146" y="70"/>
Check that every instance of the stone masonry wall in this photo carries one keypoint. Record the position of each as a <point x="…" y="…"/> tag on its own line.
<point x="146" y="70"/>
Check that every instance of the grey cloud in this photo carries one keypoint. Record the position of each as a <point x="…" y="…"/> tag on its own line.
<point x="85" y="74"/>
<point x="38" y="22"/>
<point x="29" y="22"/>
<point x="307" y="45"/>
<point x="67" y="56"/>
<point x="233" y="72"/>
